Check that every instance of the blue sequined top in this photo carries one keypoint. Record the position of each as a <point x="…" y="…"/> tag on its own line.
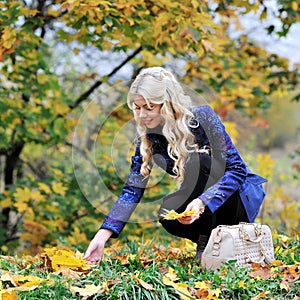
<point x="208" y="130"/>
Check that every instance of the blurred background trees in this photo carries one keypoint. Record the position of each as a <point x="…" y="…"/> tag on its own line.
<point x="65" y="68"/>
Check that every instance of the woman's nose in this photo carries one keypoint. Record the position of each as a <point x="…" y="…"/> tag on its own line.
<point x="143" y="113"/>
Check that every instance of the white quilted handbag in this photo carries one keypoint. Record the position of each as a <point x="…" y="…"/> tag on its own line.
<point x="245" y="243"/>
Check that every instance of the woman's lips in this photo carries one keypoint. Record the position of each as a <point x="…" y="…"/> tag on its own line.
<point x="147" y="122"/>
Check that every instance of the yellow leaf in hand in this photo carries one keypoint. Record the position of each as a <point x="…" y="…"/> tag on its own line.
<point x="173" y="215"/>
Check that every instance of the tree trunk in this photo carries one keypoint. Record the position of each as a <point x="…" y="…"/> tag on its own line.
<point x="12" y="159"/>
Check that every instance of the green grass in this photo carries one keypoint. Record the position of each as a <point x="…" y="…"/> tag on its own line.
<point x="125" y="273"/>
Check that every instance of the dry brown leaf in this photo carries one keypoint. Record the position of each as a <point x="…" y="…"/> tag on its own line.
<point x="263" y="273"/>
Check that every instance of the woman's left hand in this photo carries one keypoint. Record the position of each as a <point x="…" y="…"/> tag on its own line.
<point x="197" y="205"/>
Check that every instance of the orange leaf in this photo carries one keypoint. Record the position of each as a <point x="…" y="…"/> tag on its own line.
<point x="260" y="295"/>
<point x="8" y="295"/>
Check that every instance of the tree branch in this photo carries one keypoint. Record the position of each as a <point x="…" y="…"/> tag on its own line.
<point x="86" y="94"/>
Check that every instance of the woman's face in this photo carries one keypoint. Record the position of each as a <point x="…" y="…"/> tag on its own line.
<point x="149" y="116"/>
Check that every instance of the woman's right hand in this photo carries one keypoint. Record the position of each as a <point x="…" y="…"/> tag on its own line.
<point x="95" y="250"/>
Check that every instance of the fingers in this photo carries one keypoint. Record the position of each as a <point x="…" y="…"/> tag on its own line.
<point x="188" y="220"/>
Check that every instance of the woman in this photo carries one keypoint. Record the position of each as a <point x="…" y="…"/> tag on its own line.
<point x="191" y="144"/>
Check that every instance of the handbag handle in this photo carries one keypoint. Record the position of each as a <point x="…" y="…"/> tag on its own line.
<point x="256" y="240"/>
<point x="246" y="237"/>
<point x="259" y="236"/>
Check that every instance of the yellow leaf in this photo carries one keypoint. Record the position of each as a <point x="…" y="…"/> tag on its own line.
<point x="8" y="295"/>
<point x="173" y="215"/>
<point x="171" y="274"/>
<point x="182" y="290"/>
<point x="144" y="284"/>
<point x="59" y="189"/>
<point x="53" y="13"/>
<point x="76" y="51"/>
<point x="88" y="291"/>
<point x="57" y="172"/>
<point x="66" y="258"/>
<point x="294" y="5"/>
<point x="201" y="285"/>
<point x="42" y="78"/>
<point x="216" y="292"/>
<point x="7" y="202"/>
<point x="28" y="280"/>
<point x="21" y="206"/>
<point x="265" y="165"/>
<point x="8" y="37"/>
<point x="37" y="196"/>
<point x="60" y="108"/>
<point x="22" y="195"/>
<point x="44" y="188"/>
<point x="167" y="281"/>
<point x="77" y="236"/>
<point x="232" y="131"/>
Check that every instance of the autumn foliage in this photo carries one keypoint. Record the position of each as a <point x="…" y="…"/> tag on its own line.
<point x="66" y="65"/>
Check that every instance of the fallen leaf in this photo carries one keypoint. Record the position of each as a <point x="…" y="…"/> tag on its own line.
<point x="28" y="281"/>
<point x="88" y="291"/>
<point x="261" y="272"/>
<point x="144" y="284"/>
<point x="66" y="258"/>
<point x="202" y="294"/>
<point x="8" y="295"/>
<point x="260" y="295"/>
<point x="8" y="278"/>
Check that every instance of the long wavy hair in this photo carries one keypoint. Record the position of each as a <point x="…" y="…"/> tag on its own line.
<point x="158" y="86"/>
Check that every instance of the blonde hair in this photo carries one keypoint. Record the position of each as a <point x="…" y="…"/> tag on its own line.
<point x="158" y="86"/>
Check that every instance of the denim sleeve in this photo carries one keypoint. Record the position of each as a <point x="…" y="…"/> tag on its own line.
<point x="235" y="170"/>
<point x="127" y="201"/>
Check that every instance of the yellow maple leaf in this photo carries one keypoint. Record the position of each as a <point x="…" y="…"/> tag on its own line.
<point x="37" y="196"/>
<point x="58" y="188"/>
<point x="22" y="195"/>
<point x="7" y="202"/>
<point x="173" y="215"/>
<point x="44" y="188"/>
<point x="66" y="258"/>
<point x="21" y="206"/>
<point x="216" y="292"/>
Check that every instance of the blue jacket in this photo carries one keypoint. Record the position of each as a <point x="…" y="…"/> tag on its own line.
<point x="208" y="130"/>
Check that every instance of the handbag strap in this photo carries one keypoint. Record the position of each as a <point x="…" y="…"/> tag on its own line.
<point x="217" y="238"/>
<point x="246" y="237"/>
